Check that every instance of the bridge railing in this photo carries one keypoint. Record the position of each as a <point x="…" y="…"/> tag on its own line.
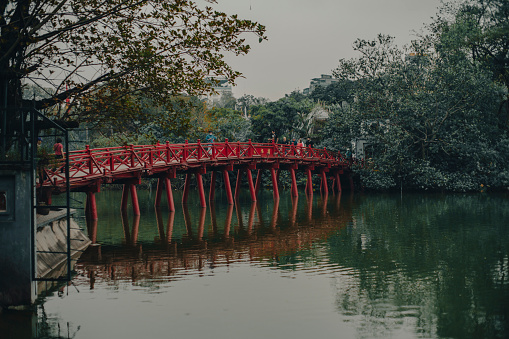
<point x="105" y="161"/>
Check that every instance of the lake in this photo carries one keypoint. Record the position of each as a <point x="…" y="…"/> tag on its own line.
<point x="350" y="266"/>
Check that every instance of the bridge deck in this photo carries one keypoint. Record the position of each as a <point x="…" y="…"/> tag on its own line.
<point x="116" y="164"/>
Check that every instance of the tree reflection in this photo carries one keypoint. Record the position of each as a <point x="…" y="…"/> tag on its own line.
<point x="438" y="265"/>
<point x="439" y="261"/>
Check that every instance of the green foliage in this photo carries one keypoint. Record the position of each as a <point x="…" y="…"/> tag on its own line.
<point x="478" y="29"/>
<point x="99" y="58"/>
<point x="289" y="117"/>
<point x="430" y="116"/>
<point x="335" y="93"/>
<point x="120" y="139"/>
<point x="228" y="123"/>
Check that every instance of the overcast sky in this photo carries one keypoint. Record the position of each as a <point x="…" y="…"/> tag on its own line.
<point x="308" y="37"/>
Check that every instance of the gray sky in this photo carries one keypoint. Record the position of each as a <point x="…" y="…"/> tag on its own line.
<point x="308" y="37"/>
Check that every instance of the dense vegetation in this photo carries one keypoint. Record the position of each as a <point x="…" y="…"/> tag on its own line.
<point x="115" y="61"/>
<point x="435" y="113"/>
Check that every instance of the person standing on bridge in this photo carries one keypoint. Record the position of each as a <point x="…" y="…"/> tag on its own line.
<point x="309" y="143"/>
<point x="300" y="145"/>
<point x="209" y="139"/>
<point x="274" y="137"/>
<point x="58" y="148"/>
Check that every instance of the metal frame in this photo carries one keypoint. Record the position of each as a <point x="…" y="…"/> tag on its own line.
<point x="24" y="141"/>
<point x="37" y="116"/>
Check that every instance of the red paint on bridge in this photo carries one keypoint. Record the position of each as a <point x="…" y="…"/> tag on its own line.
<point x="90" y="168"/>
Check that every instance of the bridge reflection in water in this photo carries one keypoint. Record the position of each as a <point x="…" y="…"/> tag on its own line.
<point x="250" y="238"/>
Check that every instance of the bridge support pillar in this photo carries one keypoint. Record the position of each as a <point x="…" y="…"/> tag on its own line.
<point x="136" y="229"/>
<point x="91" y="206"/>
<point x="324" y="182"/>
<point x="275" y="210"/>
<point x="258" y="181"/>
<point x="295" y="192"/>
<point x="252" y="190"/>
<point x="237" y="184"/>
<point x="274" y="183"/>
<point x="201" y="191"/>
<point x="338" y="182"/>
<point x="169" y="193"/>
<point x="92" y="230"/>
<point x="309" y="183"/>
<point x="134" y="199"/>
<point x="125" y="197"/>
<point x="130" y="187"/>
<point x="228" y="187"/>
<point x="228" y="222"/>
<point x="212" y="191"/>
<point x="185" y="193"/>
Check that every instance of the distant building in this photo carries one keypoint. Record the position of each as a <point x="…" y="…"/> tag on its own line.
<point x="324" y="80"/>
<point x="221" y="86"/>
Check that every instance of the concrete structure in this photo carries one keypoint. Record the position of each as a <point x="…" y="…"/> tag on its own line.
<point x="51" y="242"/>
<point x="221" y="86"/>
<point x="24" y="233"/>
<point x="17" y="286"/>
<point x="323" y="81"/>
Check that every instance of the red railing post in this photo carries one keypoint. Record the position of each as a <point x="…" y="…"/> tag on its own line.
<point x="199" y="150"/>
<point x="227" y="147"/>
<point x="167" y="151"/>
<point x="184" y="152"/>
<point x="90" y="162"/>
<point x="151" y="155"/>
<point x="131" y="151"/>
<point x="112" y="160"/>
<point x="250" y="149"/>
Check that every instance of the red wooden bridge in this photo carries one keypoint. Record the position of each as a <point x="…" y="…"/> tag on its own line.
<point x="90" y="168"/>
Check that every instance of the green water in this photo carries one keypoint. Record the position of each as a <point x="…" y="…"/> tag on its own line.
<point x="361" y="266"/>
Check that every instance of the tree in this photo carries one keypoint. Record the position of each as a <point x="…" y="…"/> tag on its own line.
<point x="335" y="93"/>
<point x="479" y="29"/>
<point x="229" y="123"/>
<point x="245" y="102"/>
<point x="92" y="54"/>
<point x="431" y="117"/>
<point x="287" y="117"/>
